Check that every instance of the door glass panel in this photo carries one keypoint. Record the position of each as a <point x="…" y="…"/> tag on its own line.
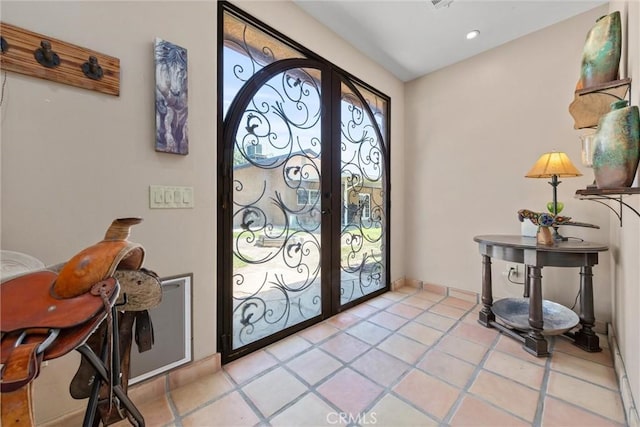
<point x="276" y="207"/>
<point x="246" y="51"/>
<point x="362" y="183"/>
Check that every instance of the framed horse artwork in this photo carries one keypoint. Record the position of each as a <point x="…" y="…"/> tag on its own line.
<point x="171" y="98"/>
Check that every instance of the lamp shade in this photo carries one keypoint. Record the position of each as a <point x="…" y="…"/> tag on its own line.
<point x="553" y="163"/>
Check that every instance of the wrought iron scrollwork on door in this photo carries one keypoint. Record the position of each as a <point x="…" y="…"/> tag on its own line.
<point x="363" y="219"/>
<point x="276" y="207"/>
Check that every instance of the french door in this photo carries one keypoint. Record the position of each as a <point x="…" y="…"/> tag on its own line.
<point x="303" y="229"/>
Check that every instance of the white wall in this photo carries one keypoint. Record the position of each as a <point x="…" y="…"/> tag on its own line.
<point x="473" y="130"/>
<point x="73" y="160"/>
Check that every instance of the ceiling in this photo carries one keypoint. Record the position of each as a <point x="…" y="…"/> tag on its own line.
<point x="413" y="38"/>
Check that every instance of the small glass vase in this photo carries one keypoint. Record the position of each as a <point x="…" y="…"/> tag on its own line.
<point x="588" y="145"/>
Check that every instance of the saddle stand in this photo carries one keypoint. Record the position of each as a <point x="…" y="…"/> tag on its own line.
<point x="109" y="377"/>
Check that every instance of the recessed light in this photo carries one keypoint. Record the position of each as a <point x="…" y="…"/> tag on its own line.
<point x="473" y="34"/>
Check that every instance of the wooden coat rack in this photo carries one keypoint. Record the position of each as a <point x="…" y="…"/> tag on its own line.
<point x="37" y="55"/>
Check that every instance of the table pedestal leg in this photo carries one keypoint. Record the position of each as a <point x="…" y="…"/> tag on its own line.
<point x="585" y="338"/>
<point x="486" y="315"/>
<point x="534" y="342"/>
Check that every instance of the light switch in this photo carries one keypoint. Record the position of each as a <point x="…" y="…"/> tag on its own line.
<point x="158" y="197"/>
<point x="170" y="197"/>
<point x="187" y="197"/>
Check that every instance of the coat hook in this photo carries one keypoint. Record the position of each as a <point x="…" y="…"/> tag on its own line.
<point x="45" y="56"/>
<point x="4" y="45"/>
<point x="92" y="69"/>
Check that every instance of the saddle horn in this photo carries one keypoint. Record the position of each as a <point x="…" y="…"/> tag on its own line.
<point x="100" y="261"/>
<point x="121" y="228"/>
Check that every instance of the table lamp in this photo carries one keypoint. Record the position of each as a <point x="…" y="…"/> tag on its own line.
<point x="554" y="165"/>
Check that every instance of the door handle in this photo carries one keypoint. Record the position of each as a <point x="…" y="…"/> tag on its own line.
<point x="326" y="211"/>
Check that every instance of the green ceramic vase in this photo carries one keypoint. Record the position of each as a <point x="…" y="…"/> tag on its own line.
<point x="617" y="146"/>
<point x="601" y="53"/>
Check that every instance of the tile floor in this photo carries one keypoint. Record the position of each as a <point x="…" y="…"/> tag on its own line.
<point x="406" y="358"/>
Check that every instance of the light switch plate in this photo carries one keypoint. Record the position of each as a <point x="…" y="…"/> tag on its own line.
<point x="170" y="197"/>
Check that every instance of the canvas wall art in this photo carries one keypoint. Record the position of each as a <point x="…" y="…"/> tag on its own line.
<point x="171" y="98"/>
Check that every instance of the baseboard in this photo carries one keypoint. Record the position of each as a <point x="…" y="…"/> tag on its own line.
<point x="446" y="291"/>
<point x="630" y="408"/>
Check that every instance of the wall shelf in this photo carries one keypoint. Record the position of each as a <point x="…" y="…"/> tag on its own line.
<point x="591" y="103"/>
<point x="615" y="194"/>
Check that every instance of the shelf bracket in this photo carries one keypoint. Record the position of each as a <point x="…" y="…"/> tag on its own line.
<point x="599" y="196"/>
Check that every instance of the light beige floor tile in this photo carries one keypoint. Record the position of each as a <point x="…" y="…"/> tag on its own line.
<point x="350" y="391"/>
<point x="436" y="321"/>
<point x="379" y="302"/>
<point x="388" y="320"/>
<point x="343" y="320"/>
<point x="380" y="367"/>
<point x="458" y="303"/>
<point x="393" y="412"/>
<point x="431" y="395"/>
<point x="319" y="332"/>
<point x="193" y="371"/>
<point x="516" y="369"/>
<point x="230" y="411"/>
<point x="584" y="369"/>
<point x="403" y="310"/>
<point x="314" y="365"/>
<point x="598" y="399"/>
<point x="506" y="394"/>
<point x="363" y="310"/>
<point x="309" y="411"/>
<point x="368" y="332"/>
<point x="430" y="296"/>
<point x="420" y="333"/>
<point x="398" y="294"/>
<point x="476" y="333"/>
<point x="559" y="413"/>
<point x="448" y="311"/>
<point x="471" y="317"/>
<point x="447" y="368"/>
<point x="475" y="412"/>
<point x="147" y="390"/>
<point x="416" y="302"/>
<point x="463" y="349"/>
<point x="345" y="347"/>
<point x="566" y="346"/>
<point x="156" y="412"/>
<point x="274" y="390"/>
<point x="464" y="295"/>
<point x="514" y="348"/>
<point x="288" y="347"/>
<point x="250" y="365"/>
<point x="190" y="396"/>
<point x="403" y="348"/>
<point x="580" y="391"/>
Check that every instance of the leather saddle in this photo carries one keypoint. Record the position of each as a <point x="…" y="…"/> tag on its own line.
<point x="45" y="315"/>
